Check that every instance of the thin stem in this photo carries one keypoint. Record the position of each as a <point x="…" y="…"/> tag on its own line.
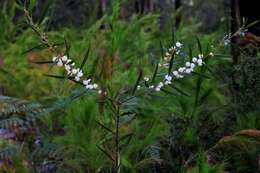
<point x="117" y="142"/>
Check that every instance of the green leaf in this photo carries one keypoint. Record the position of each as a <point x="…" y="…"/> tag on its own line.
<point x="171" y="64"/>
<point x="67" y="47"/>
<point x="104" y="127"/>
<point x="126" y="139"/>
<point x="43" y="62"/>
<point x="197" y="92"/>
<point x="55" y="76"/>
<point x="37" y="47"/>
<point x="190" y="52"/>
<point x="126" y="119"/>
<point x="199" y="45"/>
<point x="204" y="97"/>
<point x="161" y="48"/>
<point x="138" y="81"/>
<point x="44" y="10"/>
<point x="252" y="24"/>
<point x="32" y="4"/>
<point x="179" y="90"/>
<point x="155" y="71"/>
<point x="85" y="58"/>
<point x="201" y="75"/>
<point x="106" y="153"/>
<point x="168" y="92"/>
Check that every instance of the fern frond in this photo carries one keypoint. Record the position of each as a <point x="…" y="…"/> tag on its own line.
<point x="8" y="152"/>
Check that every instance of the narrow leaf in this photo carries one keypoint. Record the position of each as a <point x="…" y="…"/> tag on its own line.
<point x="199" y="45"/>
<point x="251" y="24"/>
<point x="190" y="52"/>
<point x="104" y="127"/>
<point x="127" y="113"/>
<point x="127" y="138"/>
<point x="43" y="62"/>
<point x="55" y="76"/>
<point x="201" y="74"/>
<point x="168" y="92"/>
<point x="67" y="46"/>
<point x="155" y="71"/>
<point x="205" y="96"/>
<point x="161" y="48"/>
<point x="38" y="47"/>
<point x="171" y="63"/>
<point x="138" y="80"/>
<point x="85" y="58"/>
<point x="179" y="90"/>
<point x="108" y="155"/>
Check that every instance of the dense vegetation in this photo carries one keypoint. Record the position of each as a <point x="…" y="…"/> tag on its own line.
<point x="146" y="108"/>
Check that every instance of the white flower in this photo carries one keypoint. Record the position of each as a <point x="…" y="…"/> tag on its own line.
<point x="166" y="65"/>
<point x="95" y="86"/>
<point x="211" y="54"/>
<point x="200" y="62"/>
<point x="75" y="71"/>
<point x="167" y="54"/>
<point x="157" y="89"/>
<point x="160" y="85"/>
<point x="89" y="86"/>
<point x="86" y="82"/>
<point x="64" y="58"/>
<point x="181" y="69"/>
<point x="146" y="79"/>
<point x="192" y="65"/>
<point x="188" y="71"/>
<point x="200" y="56"/>
<point x="178" y="44"/>
<point x="194" y="59"/>
<point x="187" y="64"/>
<point x="99" y="91"/>
<point x="151" y="87"/>
<point x="67" y="67"/>
<point x="59" y="63"/>
<point x="226" y="42"/>
<point x="175" y="73"/>
<point x="68" y="61"/>
<point x="167" y="82"/>
<point x="77" y="78"/>
<point x="171" y="49"/>
<point x="166" y="58"/>
<point x="168" y="77"/>
<point x="80" y="73"/>
<point x="54" y="59"/>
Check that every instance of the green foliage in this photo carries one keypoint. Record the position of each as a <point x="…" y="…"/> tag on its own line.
<point x="157" y="132"/>
<point x="202" y="166"/>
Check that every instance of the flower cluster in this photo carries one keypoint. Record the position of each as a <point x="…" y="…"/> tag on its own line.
<point x="168" y="55"/>
<point x="72" y="71"/>
<point x="180" y="72"/>
<point x="227" y="39"/>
